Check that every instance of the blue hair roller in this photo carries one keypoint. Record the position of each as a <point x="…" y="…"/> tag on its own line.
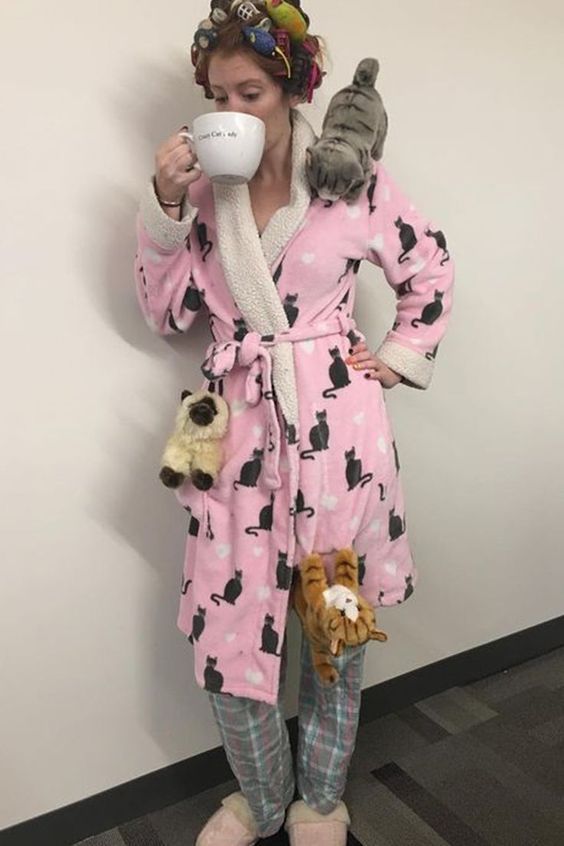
<point x="261" y="40"/>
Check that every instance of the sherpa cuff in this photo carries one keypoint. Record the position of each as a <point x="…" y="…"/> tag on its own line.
<point x="415" y="368"/>
<point x="163" y="230"/>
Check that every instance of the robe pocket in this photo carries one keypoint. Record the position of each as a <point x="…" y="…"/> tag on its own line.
<point x="200" y="532"/>
<point x="191" y="497"/>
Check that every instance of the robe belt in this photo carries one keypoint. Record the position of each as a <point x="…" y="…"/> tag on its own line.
<point x="253" y="352"/>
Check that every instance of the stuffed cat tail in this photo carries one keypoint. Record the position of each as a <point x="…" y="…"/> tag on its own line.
<point x="367" y="73"/>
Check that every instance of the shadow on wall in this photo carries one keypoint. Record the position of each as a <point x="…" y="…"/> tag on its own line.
<point x="151" y="112"/>
<point x="132" y="503"/>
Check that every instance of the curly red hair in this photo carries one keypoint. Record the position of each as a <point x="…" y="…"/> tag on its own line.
<point x="306" y="60"/>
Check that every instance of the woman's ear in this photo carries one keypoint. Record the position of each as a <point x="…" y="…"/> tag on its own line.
<point x="294" y="101"/>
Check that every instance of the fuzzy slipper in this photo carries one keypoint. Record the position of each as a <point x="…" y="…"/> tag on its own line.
<point x="306" y="827"/>
<point x="232" y="825"/>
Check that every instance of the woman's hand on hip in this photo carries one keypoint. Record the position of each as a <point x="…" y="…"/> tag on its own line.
<point x="362" y="359"/>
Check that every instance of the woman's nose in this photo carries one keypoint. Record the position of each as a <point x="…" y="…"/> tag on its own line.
<point x="236" y="104"/>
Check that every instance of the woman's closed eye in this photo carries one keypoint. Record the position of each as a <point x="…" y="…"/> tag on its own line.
<point x="250" y="98"/>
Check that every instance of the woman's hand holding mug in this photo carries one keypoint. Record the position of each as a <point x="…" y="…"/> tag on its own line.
<point x="175" y="167"/>
<point x="227" y="146"/>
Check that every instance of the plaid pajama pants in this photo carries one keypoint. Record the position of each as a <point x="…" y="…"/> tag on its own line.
<point x="257" y="746"/>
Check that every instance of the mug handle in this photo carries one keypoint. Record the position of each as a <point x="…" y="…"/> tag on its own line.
<point x="190" y="138"/>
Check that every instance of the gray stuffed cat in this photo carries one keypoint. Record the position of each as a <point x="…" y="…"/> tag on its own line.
<point x="354" y="129"/>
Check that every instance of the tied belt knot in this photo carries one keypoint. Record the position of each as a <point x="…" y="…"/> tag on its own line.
<point x="252" y="352"/>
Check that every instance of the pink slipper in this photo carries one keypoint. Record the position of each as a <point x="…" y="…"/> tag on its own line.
<point x="232" y="825"/>
<point x="306" y="827"/>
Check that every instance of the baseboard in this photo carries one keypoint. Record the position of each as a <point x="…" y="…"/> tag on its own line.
<point x="157" y="790"/>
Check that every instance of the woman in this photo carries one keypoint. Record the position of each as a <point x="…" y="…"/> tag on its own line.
<point x="310" y="459"/>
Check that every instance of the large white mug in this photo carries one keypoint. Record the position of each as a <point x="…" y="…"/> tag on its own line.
<point x="229" y="145"/>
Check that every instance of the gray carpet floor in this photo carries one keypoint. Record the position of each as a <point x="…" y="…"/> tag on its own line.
<point x="480" y="765"/>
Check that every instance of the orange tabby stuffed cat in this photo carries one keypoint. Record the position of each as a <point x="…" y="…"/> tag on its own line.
<point x="331" y="627"/>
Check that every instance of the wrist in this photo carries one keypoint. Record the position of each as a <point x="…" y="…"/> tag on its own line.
<point x="165" y="200"/>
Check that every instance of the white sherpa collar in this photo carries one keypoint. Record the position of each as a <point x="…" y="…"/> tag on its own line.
<point x="247" y="258"/>
<point x="284" y="223"/>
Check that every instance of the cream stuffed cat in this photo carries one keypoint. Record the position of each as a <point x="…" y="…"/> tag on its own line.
<point x="194" y="449"/>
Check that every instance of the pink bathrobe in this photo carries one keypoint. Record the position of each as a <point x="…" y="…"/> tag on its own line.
<point x="310" y="458"/>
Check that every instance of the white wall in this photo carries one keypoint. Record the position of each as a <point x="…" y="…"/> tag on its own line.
<point x="96" y="682"/>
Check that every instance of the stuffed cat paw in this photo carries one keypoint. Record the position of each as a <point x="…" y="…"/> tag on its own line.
<point x="194" y="450"/>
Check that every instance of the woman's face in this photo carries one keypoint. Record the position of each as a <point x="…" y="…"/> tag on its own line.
<point x="239" y="85"/>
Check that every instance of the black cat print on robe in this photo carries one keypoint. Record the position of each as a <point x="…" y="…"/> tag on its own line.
<point x="206" y="245"/>
<point x="283" y="572"/>
<point x="265" y="519"/>
<point x="233" y="590"/>
<point x="270" y="637"/>
<point x="213" y="679"/>
<point x="250" y="471"/>
<point x="408" y="239"/>
<point x="198" y="625"/>
<point x="441" y="244"/>
<point x="338" y="374"/>
<point x="431" y="312"/>
<point x="318" y="436"/>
